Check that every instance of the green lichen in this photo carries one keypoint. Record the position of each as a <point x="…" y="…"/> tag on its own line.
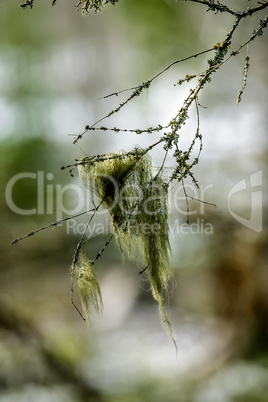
<point x="137" y="203"/>
<point x="105" y="177"/>
<point x="87" y="282"/>
<point x="153" y="242"/>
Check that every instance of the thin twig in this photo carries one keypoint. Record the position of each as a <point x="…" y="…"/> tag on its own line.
<point x="53" y="224"/>
<point x="187" y="203"/>
<point x="99" y="254"/>
<point x="137" y="90"/>
<point x="213" y="6"/>
<point x="143" y="270"/>
<point x="84" y="232"/>
<point x="158" y="74"/>
<point x="202" y="201"/>
<point x="163" y="163"/>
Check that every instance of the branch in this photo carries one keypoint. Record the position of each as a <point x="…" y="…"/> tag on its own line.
<point x="221" y="50"/>
<point x="53" y="224"/>
<point x="136" y="92"/>
<point x="27" y="3"/>
<point x="219" y="7"/>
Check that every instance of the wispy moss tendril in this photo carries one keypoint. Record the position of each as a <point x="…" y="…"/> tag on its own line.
<point x="137" y="203"/>
<point x="88" y="286"/>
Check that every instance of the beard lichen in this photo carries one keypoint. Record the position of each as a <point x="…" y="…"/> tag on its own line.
<point x="137" y="203"/>
<point x="87" y="282"/>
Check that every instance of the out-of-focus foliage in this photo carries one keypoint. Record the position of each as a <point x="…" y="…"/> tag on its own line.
<point x="25" y="155"/>
<point x="162" y="28"/>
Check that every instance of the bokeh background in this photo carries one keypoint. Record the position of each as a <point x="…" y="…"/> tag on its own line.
<point x="55" y="64"/>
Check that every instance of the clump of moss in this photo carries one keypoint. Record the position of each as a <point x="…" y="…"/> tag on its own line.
<point x="154" y="241"/>
<point x="137" y="203"/>
<point x="107" y="176"/>
<point x="88" y="286"/>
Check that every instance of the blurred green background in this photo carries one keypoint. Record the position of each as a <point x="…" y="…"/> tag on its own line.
<point x="54" y="65"/>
